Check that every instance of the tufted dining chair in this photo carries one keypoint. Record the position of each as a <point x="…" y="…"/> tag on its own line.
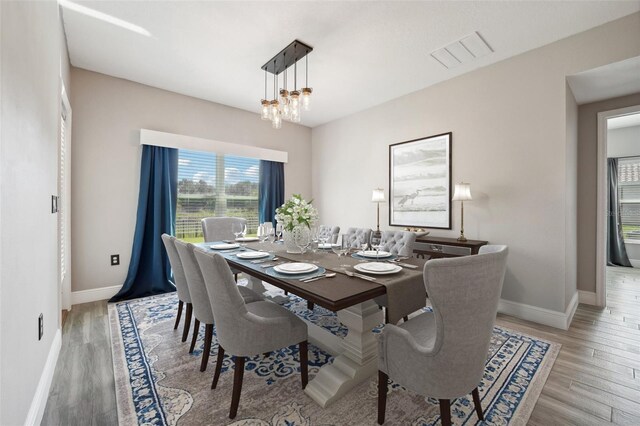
<point x="399" y="243"/>
<point x="220" y="229"/>
<point x="358" y="236"/>
<point x="184" y="297"/>
<point x="442" y="354"/>
<point x="200" y="298"/>
<point x="247" y="329"/>
<point x="329" y="232"/>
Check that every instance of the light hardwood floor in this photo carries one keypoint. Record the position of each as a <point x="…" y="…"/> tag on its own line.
<point x="595" y="380"/>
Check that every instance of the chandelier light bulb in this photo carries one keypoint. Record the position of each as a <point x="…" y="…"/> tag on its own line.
<point x="274" y="110"/>
<point x="265" y="111"/>
<point x="306" y="98"/>
<point x="276" y="123"/>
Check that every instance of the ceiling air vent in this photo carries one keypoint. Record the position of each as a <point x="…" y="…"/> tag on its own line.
<point x="462" y="51"/>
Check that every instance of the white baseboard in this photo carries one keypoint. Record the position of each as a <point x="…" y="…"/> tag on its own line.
<point x="39" y="402"/>
<point x="544" y="316"/>
<point x="93" y="295"/>
<point x="587" y="297"/>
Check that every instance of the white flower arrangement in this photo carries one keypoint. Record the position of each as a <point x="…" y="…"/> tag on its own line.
<point x="296" y="212"/>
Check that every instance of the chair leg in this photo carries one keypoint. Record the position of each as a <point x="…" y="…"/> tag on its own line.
<point x="405" y="319"/>
<point x="445" y="412"/>
<point x="180" y="303"/>
<point x="267" y="354"/>
<point x="310" y="306"/>
<point x="386" y="315"/>
<point x="304" y="362"/>
<point x="219" y="360"/>
<point x="383" y="380"/>
<point x="208" y="334"/>
<point x="237" y="386"/>
<point x="187" y="322"/>
<point x="235" y="277"/>
<point x="476" y="402"/>
<point x="196" y="331"/>
<point x="286" y="293"/>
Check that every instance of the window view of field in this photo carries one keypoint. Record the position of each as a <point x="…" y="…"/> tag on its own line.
<point x="211" y="185"/>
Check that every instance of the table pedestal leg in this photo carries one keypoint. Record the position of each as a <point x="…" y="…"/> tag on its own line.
<point x="256" y="285"/>
<point x="358" y="360"/>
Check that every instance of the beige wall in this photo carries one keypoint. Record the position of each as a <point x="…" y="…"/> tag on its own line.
<point x="587" y="180"/>
<point x="108" y="114"/>
<point x="30" y="113"/>
<point x="571" y="197"/>
<point x="509" y="124"/>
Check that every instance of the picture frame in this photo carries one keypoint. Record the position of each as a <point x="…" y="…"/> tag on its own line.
<point x="420" y="182"/>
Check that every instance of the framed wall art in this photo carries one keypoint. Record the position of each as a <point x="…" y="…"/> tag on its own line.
<point x="420" y="182"/>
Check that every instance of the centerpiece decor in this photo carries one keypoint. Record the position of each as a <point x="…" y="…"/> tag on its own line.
<point x="297" y="216"/>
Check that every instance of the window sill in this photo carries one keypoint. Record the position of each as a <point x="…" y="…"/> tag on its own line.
<point x="632" y="241"/>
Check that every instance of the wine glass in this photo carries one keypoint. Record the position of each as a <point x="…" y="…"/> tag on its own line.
<point x="314" y="239"/>
<point x="376" y="243"/>
<point x="272" y="235"/>
<point x="262" y="233"/>
<point x="236" y="228"/>
<point x="244" y="231"/>
<point x="279" y="229"/>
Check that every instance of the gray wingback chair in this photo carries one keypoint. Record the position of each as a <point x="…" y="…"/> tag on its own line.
<point x="200" y="298"/>
<point x="220" y="228"/>
<point x="442" y="354"/>
<point x="400" y="243"/>
<point x="329" y="232"/>
<point x="358" y="236"/>
<point x="181" y="284"/>
<point x="247" y="329"/>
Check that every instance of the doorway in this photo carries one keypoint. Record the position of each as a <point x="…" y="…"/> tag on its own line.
<point x="618" y="201"/>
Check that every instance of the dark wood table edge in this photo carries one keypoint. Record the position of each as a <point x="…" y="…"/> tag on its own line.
<point x="347" y="302"/>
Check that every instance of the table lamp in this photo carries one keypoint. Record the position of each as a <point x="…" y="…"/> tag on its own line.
<point x="377" y="197"/>
<point x="462" y="193"/>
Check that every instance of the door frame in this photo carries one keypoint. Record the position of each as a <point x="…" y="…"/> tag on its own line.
<point x="65" y="202"/>
<point x="601" y="203"/>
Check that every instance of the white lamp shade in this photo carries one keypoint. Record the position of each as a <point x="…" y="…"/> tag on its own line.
<point x="462" y="192"/>
<point x="378" y="195"/>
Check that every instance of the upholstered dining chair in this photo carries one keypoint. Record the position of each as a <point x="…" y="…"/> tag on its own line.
<point x="184" y="297"/>
<point x="200" y="298"/>
<point x="358" y="236"/>
<point x="220" y="229"/>
<point x="442" y="354"/>
<point x="329" y="232"/>
<point x="400" y="243"/>
<point x="247" y="329"/>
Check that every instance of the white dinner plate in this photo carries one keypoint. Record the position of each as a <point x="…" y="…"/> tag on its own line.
<point x="373" y="254"/>
<point x="252" y="255"/>
<point x="325" y="245"/>
<point x="377" y="268"/>
<point x="247" y="239"/>
<point x="224" y="246"/>
<point x="295" y="268"/>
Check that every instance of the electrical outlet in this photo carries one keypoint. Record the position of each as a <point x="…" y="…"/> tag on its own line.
<point x="115" y="259"/>
<point x="54" y="204"/>
<point x="40" y="327"/>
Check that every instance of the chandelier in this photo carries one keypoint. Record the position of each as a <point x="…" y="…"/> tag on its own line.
<point x="286" y="105"/>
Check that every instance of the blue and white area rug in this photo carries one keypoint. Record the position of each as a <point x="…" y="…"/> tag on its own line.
<point x="159" y="383"/>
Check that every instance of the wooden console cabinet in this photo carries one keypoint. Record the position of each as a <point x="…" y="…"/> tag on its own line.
<point x="438" y="247"/>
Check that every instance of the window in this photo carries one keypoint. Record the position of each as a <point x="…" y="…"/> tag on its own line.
<point x="209" y="185"/>
<point x="629" y="197"/>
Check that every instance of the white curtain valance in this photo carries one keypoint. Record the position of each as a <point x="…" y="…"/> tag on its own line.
<point x="171" y="140"/>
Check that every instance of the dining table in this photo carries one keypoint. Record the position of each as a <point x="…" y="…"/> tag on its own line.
<point x="350" y="293"/>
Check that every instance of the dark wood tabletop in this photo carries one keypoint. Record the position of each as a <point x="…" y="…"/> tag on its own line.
<point x="334" y="294"/>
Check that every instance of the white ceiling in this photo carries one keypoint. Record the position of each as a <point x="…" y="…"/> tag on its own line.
<point x="630" y="120"/>
<point x="609" y="81"/>
<point x="365" y="53"/>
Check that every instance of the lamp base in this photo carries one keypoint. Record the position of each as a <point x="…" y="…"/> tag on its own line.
<point x="376" y="236"/>
<point x="462" y="238"/>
